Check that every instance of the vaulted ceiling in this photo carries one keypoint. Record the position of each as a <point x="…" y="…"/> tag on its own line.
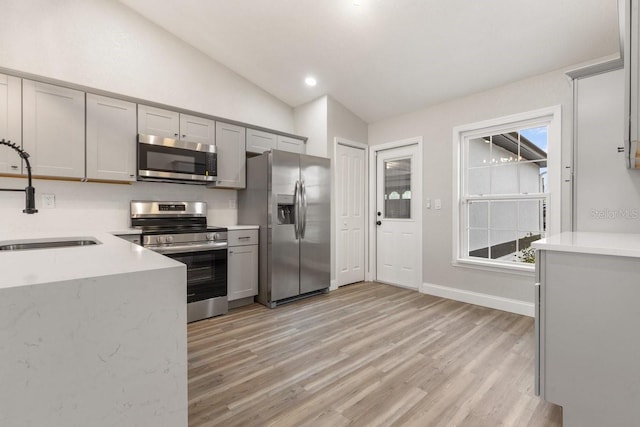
<point x="382" y="58"/>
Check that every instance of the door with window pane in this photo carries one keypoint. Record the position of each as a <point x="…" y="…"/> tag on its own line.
<point x="398" y="213"/>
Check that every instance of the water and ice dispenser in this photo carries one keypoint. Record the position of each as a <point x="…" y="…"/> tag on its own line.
<point x="286" y="212"/>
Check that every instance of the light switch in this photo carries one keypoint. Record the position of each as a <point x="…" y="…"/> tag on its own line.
<point x="437" y="203"/>
<point x="427" y="203"/>
<point x="232" y="203"/>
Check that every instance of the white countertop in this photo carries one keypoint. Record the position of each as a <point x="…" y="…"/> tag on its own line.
<point x="39" y="266"/>
<point x="241" y="227"/>
<point x="616" y="244"/>
<point x="126" y="231"/>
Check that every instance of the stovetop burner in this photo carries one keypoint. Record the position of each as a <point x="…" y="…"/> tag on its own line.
<point x="153" y="217"/>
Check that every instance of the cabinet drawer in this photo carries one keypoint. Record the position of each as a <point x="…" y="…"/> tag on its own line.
<point x="243" y="237"/>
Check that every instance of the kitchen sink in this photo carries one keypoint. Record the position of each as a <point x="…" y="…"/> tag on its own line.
<point x="48" y="243"/>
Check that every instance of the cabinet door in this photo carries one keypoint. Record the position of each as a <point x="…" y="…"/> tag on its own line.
<point x="197" y="129"/>
<point x="111" y="138"/>
<point x="230" y="146"/>
<point x="243" y="272"/>
<point x="53" y="126"/>
<point x="159" y="122"/>
<point x="10" y="122"/>
<point x="293" y="145"/>
<point x="258" y="141"/>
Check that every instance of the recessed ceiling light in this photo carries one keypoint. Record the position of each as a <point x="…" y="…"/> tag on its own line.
<point x="356" y="2"/>
<point x="310" y="81"/>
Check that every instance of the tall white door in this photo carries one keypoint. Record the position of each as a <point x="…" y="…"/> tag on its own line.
<point x="398" y="216"/>
<point x="350" y="219"/>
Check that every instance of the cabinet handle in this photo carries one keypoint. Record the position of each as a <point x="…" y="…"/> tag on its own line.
<point x="184" y="136"/>
<point x="230" y="252"/>
<point x="14" y="167"/>
<point x="244" y="237"/>
<point x="176" y="135"/>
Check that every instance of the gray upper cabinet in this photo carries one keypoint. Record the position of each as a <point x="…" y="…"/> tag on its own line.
<point x="53" y="129"/>
<point x="171" y="124"/>
<point x="159" y="122"/>
<point x="111" y="139"/>
<point x="197" y="129"/>
<point x="10" y="122"/>
<point x="293" y="145"/>
<point x="230" y="147"/>
<point x="631" y="27"/>
<point x="258" y="141"/>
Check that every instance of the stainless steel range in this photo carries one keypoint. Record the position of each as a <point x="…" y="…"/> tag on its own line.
<point x="179" y="230"/>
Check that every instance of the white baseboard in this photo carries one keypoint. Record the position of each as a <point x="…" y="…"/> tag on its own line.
<point x="333" y="285"/>
<point x="485" y="300"/>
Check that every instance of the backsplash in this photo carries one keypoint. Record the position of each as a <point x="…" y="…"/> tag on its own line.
<point x="101" y="207"/>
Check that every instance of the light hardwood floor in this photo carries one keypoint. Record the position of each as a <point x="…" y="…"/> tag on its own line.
<point x="365" y="355"/>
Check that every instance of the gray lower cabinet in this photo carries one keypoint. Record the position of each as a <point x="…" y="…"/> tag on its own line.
<point x="133" y="238"/>
<point x="588" y="351"/>
<point x="242" y="277"/>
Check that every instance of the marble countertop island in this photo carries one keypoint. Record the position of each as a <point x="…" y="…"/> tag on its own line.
<point x="91" y="335"/>
<point x="616" y="244"/>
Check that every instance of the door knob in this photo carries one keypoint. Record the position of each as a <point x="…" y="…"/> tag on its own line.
<point x="378" y="222"/>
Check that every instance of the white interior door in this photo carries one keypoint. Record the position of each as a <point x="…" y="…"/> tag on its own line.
<point x="350" y="218"/>
<point x="398" y="216"/>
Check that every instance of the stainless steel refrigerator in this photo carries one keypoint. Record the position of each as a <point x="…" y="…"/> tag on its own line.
<point x="288" y="195"/>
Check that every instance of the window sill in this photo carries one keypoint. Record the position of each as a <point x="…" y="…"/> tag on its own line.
<point x="517" y="268"/>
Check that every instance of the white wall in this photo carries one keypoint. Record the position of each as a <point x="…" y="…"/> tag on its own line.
<point x="101" y="207"/>
<point x="104" y="44"/>
<point x="342" y="123"/>
<point x="435" y="126"/>
<point x="607" y="193"/>
<point x="311" y="120"/>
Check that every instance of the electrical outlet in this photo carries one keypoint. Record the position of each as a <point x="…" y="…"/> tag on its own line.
<point x="48" y="201"/>
<point x="437" y="203"/>
<point x="232" y="203"/>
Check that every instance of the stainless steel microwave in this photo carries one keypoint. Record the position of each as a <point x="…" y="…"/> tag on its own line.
<point x="172" y="160"/>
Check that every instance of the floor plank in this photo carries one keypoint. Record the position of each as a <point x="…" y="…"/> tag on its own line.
<point x="365" y="355"/>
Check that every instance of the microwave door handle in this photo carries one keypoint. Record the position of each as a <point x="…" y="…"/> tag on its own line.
<point x="296" y="210"/>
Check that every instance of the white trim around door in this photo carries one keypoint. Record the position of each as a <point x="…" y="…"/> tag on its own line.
<point x="362" y="184"/>
<point x="373" y="153"/>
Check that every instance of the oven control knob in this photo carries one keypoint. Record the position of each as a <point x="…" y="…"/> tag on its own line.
<point x="168" y="239"/>
<point x="211" y="236"/>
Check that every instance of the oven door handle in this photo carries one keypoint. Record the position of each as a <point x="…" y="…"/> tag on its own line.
<point x="178" y="249"/>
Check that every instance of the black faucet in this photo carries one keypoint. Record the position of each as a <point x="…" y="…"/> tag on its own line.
<point x="30" y="192"/>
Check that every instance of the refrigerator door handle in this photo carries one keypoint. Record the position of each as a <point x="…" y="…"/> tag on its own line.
<point x="296" y="210"/>
<point x="303" y="227"/>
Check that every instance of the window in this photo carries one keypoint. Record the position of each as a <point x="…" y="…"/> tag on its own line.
<point x="506" y="174"/>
